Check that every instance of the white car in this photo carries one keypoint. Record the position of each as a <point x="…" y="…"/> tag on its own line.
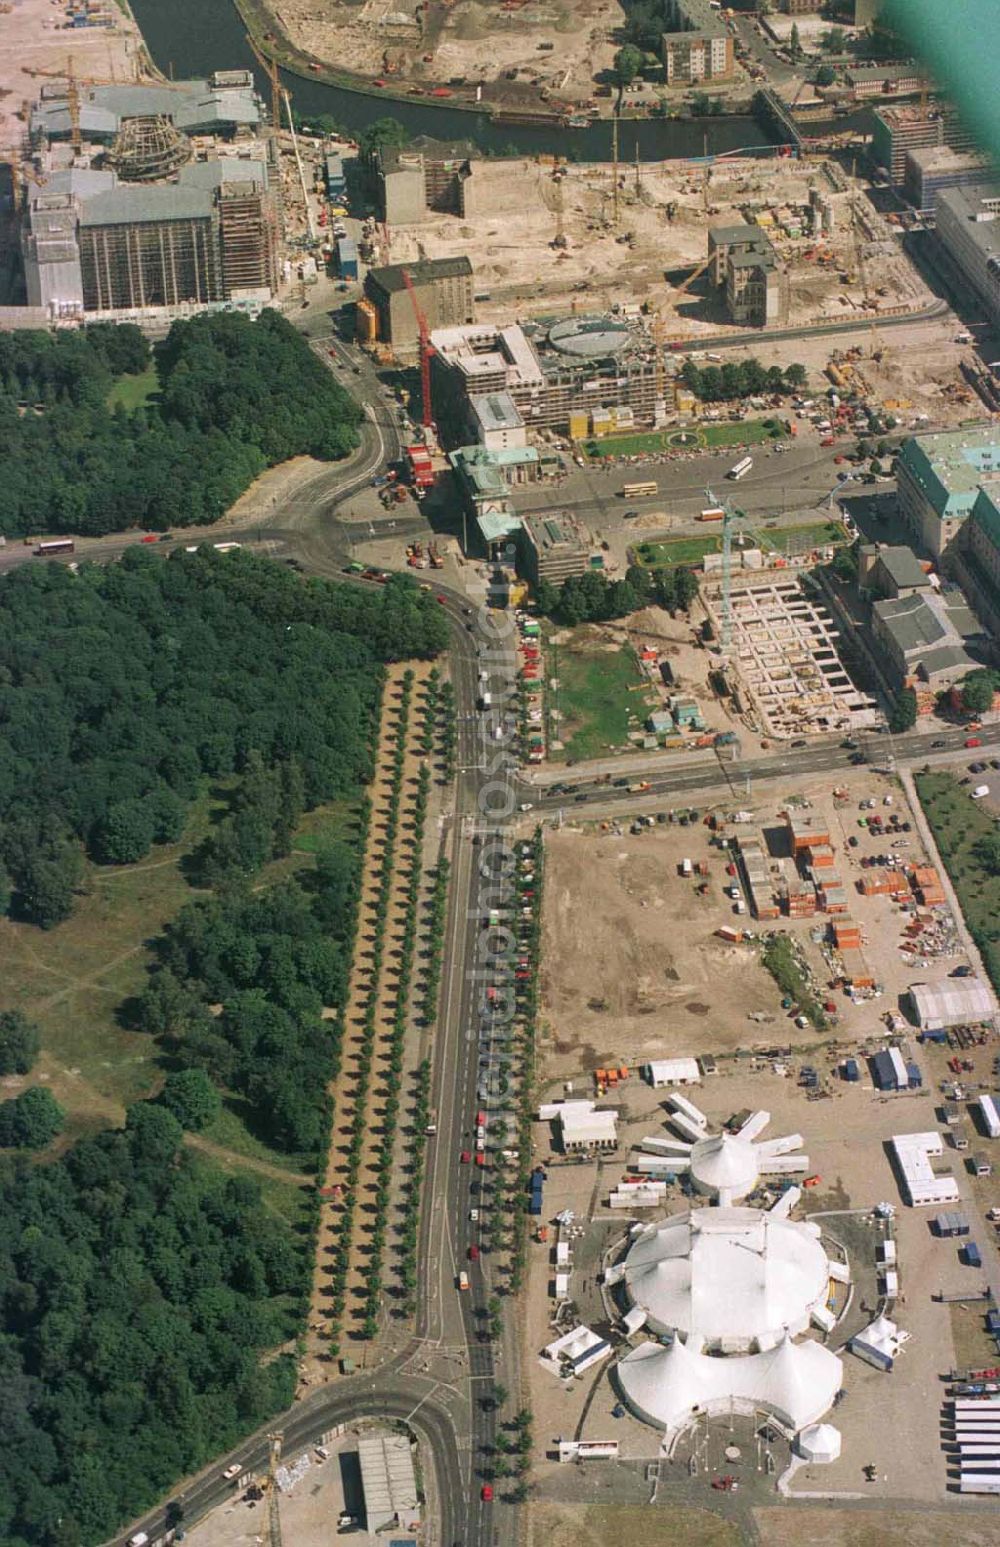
<point x="232" y="1471"/>
<point x="473" y="1215"/>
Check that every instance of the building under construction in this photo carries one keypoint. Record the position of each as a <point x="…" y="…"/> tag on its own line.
<point x="581" y="375"/>
<point x="148" y="225"/>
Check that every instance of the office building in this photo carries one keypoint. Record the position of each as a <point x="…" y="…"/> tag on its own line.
<point x="939" y="476"/>
<point x="496" y="422"/>
<point x="968" y="229"/>
<point x="891" y="572"/>
<point x="553" y="549"/>
<point x="885" y="80"/>
<point x="975" y="557"/>
<point x="562" y="377"/>
<point x="442" y="290"/>
<point x="744" y="261"/>
<point x="901" y="129"/>
<point x="930" y="169"/>
<point x="696" y="43"/>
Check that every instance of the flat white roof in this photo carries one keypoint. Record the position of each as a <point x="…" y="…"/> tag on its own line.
<point x="920" y="1185"/>
<point x="666" y="1070"/>
<point x="588" y="1127"/>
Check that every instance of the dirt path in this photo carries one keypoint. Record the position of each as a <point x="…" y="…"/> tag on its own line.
<point x="227" y="1157"/>
<point x="350" y="1093"/>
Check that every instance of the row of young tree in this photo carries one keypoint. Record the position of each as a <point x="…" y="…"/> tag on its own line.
<point x="126" y="687"/>
<point x="594" y="598"/>
<point x="235" y="397"/>
<point x="741" y="378"/>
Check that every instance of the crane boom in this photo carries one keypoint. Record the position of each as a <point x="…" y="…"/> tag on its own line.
<point x="269" y="65"/>
<point x="273" y="1515"/>
<point x="423" y="334"/>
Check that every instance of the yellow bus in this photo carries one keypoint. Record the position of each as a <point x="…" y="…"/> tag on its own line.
<point x="638" y="491"/>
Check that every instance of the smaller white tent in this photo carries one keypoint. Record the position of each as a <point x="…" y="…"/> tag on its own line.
<point x="819" y="1442"/>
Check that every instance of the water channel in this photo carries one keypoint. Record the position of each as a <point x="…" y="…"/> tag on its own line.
<point x="191" y="38"/>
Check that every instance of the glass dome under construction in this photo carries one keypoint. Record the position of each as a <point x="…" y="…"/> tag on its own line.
<point x="589" y="337"/>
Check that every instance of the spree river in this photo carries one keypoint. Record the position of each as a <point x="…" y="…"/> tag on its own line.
<point x="191" y="38"/>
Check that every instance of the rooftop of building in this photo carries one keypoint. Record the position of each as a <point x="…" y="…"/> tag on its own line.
<point x="743" y="232"/>
<point x="390" y="278"/>
<point x="950" y="465"/>
<point x="903" y="568"/>
<point x="697" y="16"/>
<point x="190" y="105"/>
<point x="986" y="514"/>
<point x="590" y="337"/>
<point x="978" y="206"/>
<point x="495" y="411"/>
<point x="759" y="256"/>
<point x="552" y="531"/>
<point x="943" y="158"/>
<point x="934" y="624"/>
<point x="863" y="74"/>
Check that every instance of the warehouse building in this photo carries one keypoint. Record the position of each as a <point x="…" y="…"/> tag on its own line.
<point x="968" y="229"/>
<point x="442" y="290"/>
<point x="952" y="1002"/>
<point x="696" y="43"/>
<point x="388" y="1483"/>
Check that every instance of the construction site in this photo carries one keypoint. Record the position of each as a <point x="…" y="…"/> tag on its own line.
<point x="553" y="236"/>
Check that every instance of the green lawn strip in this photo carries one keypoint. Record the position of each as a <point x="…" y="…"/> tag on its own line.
<point x="595" y="694"/>
<point x="958" y="824"/>
<point x="672" y="551"/>
<point x="134" y="391"/>
<point x="230" y="1132"/>
<point x="748" y="432"/>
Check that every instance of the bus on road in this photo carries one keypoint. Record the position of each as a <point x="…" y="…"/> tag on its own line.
<point x="58" y="545"/>
<point x="638" y="491"/>
<point x="741" y="469"/>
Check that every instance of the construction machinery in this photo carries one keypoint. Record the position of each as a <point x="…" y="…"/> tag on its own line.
<point x="271" y="1490"/>
<point x="732" y="518"/>
<point x="424" y="336"/>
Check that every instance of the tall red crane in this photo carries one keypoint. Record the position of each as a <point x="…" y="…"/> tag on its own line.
<point x="426" y="351"/>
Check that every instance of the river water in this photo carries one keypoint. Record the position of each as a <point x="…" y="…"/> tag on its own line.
<point x="190" y="38"/>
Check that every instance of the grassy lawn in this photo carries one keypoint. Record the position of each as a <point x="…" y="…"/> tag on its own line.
<point x="597" y="689"/>
<point x="958" y="823"/>
<point x="782" y="539"/>
<point x="134" y="391"/>
<point x="750" y="432"/>
<point x="593" y="1525"/>
<point x="72" y="980"/>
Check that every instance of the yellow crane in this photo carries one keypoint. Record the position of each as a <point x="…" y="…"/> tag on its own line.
<point x="269" y="65"/>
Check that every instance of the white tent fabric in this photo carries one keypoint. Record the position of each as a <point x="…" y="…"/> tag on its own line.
<point x="672" y="1387"/>
<point x="733" y="1277"/>
<point x="819" y="1442"/>
<point x="725" y="1163"/>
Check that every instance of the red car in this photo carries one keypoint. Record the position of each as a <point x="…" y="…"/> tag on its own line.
<point x="973" y="741"/>
<point x="442" y="600"/>
<point x="480" y="1158"/>
<point x="151" y="538"/>
<point x="480" y="1119"/>
<point x="465" y="1157"/>
<point x="473" y="1253"/>
<point x="827" y="440"/>
<point x="486" y="1493"/>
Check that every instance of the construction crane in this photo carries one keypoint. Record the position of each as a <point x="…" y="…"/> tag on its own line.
<point x="269" y="65"/>
<point x="732" y="518"/>
<point x="423" y="333"/>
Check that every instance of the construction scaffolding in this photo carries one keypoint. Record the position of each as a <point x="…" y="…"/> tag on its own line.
<point x="147" y="150"/>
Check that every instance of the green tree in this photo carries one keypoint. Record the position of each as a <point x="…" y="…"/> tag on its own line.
<point x="126" y="833"/>
<point x="833" y="40"/>
<point x="685" y="587"/>
<point x="383" y="134"/>
<point x="546" y="597"/>
<point x="192" y="1098"/>
<point x="825" y="75"/>
<point x="794" y="41"/>
<point x="795" y="375"/>
<point x="31" y="1120"/>
<point x="978" y="689"/>
<point x="20" y="1042"/>
<point x="904" y="711"/>
<point x="628" y="63"/>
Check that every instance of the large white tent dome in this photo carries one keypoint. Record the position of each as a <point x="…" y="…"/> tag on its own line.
<point x="734" y="1278"/>
<point x="724" y="1164"/>
<point x="673" y="1387"/>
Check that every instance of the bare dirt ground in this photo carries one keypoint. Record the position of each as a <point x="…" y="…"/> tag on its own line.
<point x="36" y="38"/>
<point x="631" y="969"/>
<point x="595" y="1525"/>
<point x="509" y="243"/>
<point x="788" y="1527"/>
<point x="438" y="43"/>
